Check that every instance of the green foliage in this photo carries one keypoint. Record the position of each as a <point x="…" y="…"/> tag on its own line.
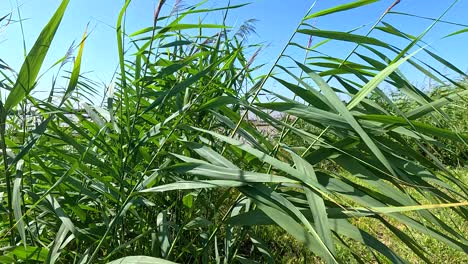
<point x="170" y="168"/>
<point x="453" y="115"/>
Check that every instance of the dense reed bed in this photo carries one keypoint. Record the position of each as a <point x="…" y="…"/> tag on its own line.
<point x="171" y="166"/>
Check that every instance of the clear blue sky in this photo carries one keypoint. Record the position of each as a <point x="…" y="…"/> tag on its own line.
<point x="277" y="20"/>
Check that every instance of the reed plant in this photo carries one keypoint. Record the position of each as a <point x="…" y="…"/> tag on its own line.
<point x="170" y="167"/>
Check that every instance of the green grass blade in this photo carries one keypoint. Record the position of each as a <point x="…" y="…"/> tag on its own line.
<point x="461" y="31"/>
<point x="33" y="62"/>
<point x="60" y="213"/>
<point x="422" y="127"/>
<point x="374" y="82"/>
<point x="76" y="69"/>
<point x="341" y="108"/>
<point x="16" y="201"/>
<point x="340" y="8"/>
<point x="268" y="159"/>
<point x="418" y="39"/>
<point x="60" y="237"/>
<point x="140" y="260"/>
<point x="284" y="213"/>
<point x="222" y="173"/>
<point x="430" y="107"/>
<point x="446" y="63"/>
<point x="316" y="204"/>
<point x="348" y="37"/>
<point x="192" y="185"/>
<point x="343" y="227"/>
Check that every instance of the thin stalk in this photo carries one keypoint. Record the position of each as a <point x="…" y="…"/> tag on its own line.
<point x="23" y="141"/>
<point x="268" y="75"/>
<point x="139" y="88"/>
<point x="131" y="129"/>
<point x="153" y="33"/>
<point x="123" y="85"/>
<point x="284" y="130"/>
<point x="20" y="19"/>
<point x="7" y="174"/>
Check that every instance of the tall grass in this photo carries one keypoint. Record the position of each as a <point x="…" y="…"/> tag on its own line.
<point x="169" y="166"/>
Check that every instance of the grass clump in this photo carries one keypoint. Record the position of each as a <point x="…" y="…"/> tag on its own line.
<point x="170" y="167"/>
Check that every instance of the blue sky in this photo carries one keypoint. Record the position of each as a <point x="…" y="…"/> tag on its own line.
<point x="277" y="20"/>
